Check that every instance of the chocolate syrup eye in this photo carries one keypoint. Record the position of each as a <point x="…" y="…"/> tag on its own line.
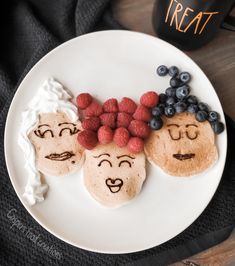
<point x="71" y="131"/>
<point x="101" y="162"/>
<point x="42" y="135"/>
<point x="124" y="162"/>
<point x="192" y="135"/>
<point x="176" y="135"/>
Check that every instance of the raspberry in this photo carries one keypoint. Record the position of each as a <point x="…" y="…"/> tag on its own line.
<point x="121" y="136"/>
<point x="110" y="106"/>
<point x="127" y="105"/>
<point x="84" y="100"/>
<point x="149" y="99"/>
<point x="135" y="145"/>
<point x="94" y="109"/>
<point x="108" y="119"/>
<point x="91" y="123"/>
<point x="142" y="113"/>
<point x="139" y="129"/>
<point x="88" y="139"/>
<point x="105" y="134"/>
<point x="123" y="119"/>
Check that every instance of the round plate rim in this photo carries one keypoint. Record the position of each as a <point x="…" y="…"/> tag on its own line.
<point x="144" y="35"/>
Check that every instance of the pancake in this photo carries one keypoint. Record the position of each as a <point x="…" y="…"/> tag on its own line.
<point x="183" y="146"/>
<point x="55" y="142"/>
<point x="112" y="175"/>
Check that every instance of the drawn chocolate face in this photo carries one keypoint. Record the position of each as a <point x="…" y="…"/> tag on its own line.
<point x="183" y="146"/>
<point x="55" y="143"/>
<point x="112" y="175"/>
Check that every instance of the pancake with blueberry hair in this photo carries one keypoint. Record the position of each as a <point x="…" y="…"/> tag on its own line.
<point x="182" y="141"/>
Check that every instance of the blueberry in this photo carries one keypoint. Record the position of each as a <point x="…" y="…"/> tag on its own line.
<point x="170" y="101"/>
<point x="175" y="82"/>
<point x="180" y="107"/>
<point x="185" y="77"/>
<point x="192" y="108"/>
<point x="184" y="100"/>
<point x="203" y="107"/>
<point x="213" y="116"/>
<point x="182" y="92"/>
<point x="173" y="71"/>
<point x="162" y="97"/>
<point x="162" y="105"/>
<point x="192" y="99"/>
<point x="201" y="116"/>
<point x="156" y="123"/>
<point x="158" y="110"/>
<point x="170" y="92"/>
<point x="162" y="70"/>
<point x="169" y="111"/>
<point x="218" y="127"/>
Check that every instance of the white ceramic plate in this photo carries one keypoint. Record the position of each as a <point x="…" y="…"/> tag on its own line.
<point x="115" y="64"/>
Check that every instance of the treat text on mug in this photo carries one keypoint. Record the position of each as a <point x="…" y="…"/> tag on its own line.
<point x="179" y="13"/>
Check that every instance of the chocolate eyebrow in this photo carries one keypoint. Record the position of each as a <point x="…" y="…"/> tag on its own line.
<point x="191" y="125"/>
<point x="66" y="123"/>
<point x="169" y="125"/>
<point x="102" y="154"/>
<point x="125" y="155"/>
<point x="42" y="125"/>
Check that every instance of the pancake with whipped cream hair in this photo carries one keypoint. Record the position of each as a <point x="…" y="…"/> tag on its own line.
<point x="47" y="137"/>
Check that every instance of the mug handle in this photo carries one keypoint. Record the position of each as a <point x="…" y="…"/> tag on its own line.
<point x="229" y="22"/>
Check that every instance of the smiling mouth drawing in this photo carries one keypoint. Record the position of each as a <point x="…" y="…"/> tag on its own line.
<point x="183" y="157"/>
<point x="114" y="185"/>
<point x="60" y="156"/>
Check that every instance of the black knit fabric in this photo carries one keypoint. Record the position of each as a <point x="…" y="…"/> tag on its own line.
<point x="30" y="29"/>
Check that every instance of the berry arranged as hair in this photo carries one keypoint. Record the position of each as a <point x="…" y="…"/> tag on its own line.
<point x="177" y="99"/>
<point x="125" y="122"/>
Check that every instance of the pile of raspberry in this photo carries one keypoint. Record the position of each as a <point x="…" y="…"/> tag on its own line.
<point x="125" y="123"/>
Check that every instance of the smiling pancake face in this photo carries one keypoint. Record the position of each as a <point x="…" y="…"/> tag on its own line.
<point x="113" y="175"/>
<point x="183" y="146"/>
<point x="55" y="142"/>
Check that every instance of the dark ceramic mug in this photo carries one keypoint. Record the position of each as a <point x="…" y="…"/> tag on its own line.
<point x="189" y="24"/>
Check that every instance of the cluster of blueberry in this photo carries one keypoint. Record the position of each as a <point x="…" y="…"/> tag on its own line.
<point x="176" y="99"/>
